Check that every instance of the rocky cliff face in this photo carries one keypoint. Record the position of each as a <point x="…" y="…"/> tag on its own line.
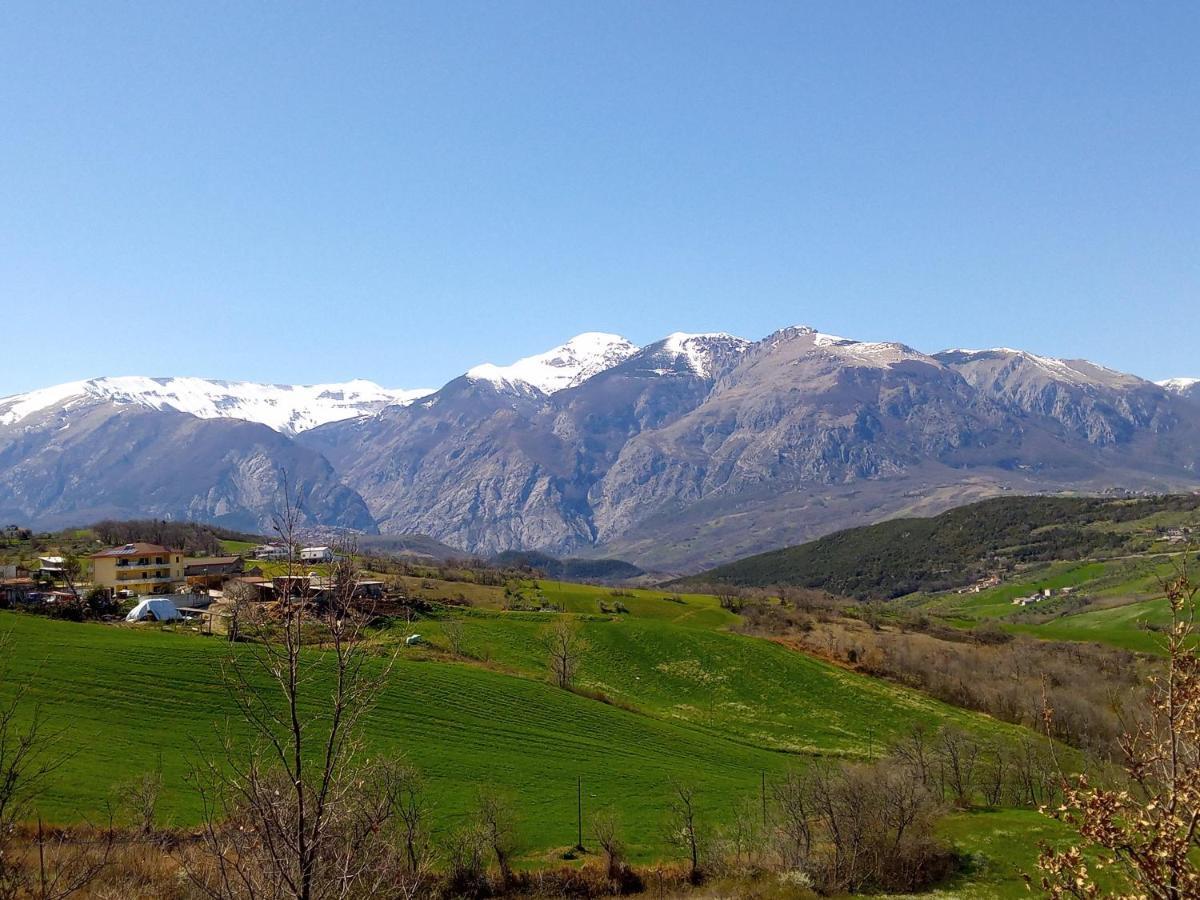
<point x="669" y="453"/>
<point x="98" y="459"/>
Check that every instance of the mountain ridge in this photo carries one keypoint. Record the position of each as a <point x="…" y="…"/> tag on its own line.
<point x="680" y="454"/>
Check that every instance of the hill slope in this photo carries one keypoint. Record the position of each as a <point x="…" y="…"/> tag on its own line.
<point x="714" y="708"/>
<point x="901" y="556"/>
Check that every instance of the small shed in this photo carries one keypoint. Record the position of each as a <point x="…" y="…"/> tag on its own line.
<point x="154" y="609"/>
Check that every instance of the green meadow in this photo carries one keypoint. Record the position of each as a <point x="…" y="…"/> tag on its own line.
<point x="664" y="694"/>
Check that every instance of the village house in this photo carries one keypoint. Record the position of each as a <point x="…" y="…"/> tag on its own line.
<point x="211" y="571"/>
<point x="138" y="568"/>
<point x="51" y="567"/>
<point x="316" y="554"/>
<point x="270" y="551"/>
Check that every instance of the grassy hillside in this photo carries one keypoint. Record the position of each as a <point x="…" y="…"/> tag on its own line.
<point x="753" y="690"/>
<point x="689" y="701"/>
<point x="1117" y="601"/>
<point x="143" y="695"/>
<point x="903" y="556"/>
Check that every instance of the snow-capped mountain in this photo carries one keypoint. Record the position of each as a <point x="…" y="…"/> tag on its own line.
<point x="290" y="409"/>
<point x="1184" y="387"/>
<point x="684" y="452"/>
<point x="564" y="366"/>
<point x="702" y="353"/>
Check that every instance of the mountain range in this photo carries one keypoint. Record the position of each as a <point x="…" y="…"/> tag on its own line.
<point x="687" y="452"/>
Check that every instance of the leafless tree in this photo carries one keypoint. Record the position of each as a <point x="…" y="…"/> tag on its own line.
<point x="456" y="636"/>
<point x="606" y="827"/>
<point x="239" y="596"/>
<point x="793" y="820"/>
<point x="565" y="647"/>
<point x="139" y="798"/>
<point x="497" y="825"/>
<point x="684" y="828"/>
<point x="299" y="811"/>
<point x="742" y="840"/>
<point x="958" y="758"/>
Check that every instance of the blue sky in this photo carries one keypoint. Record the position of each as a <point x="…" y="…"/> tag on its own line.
<point x="303" y="192"/>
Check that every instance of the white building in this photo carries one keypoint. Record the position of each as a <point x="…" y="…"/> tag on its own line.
<point x="316" y="554"/>
<point x="270" y="551"/>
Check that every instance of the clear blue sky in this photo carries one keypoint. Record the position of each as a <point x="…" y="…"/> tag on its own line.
<point x="302" y="192"/>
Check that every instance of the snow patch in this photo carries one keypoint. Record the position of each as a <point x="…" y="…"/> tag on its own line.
<point x="286" y="408"/>
<point x="700" y="351"/>
<point x="564" y="366"/>
<point x="1057" y="368"/>
<point x="1178" y="385"/>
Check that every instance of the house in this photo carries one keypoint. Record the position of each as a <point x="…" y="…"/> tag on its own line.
<point x="270" y="551"/>
<point x="316" y="554"/>
<point x="139" y="568"/>
<point x="211" y="571"/>
<point x="369" y="590"/>
<point x="52" y="567"/>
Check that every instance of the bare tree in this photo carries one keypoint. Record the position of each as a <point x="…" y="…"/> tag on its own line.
<point x="565" y="647"/>
<point x="684" y="828"/>
<point x="298" y="811"/>
<point x="606" y="827"/>
<point x="139" y="797"/>
<point x="741" y="839"/>
<point x="456" y="636"/>
<point x="958" y="757"/>
<point x="1148" y="829"/>
<point x="239" y="595"/>
<point x="497" y="826"/>
<point x="793" y="820"/>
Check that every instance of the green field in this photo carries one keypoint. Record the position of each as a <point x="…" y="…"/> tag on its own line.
<point x="1121" y="626"/>
<point x="690" y="701"/>
<point x="1118" y="602"/>
<point x="757" y="691"/>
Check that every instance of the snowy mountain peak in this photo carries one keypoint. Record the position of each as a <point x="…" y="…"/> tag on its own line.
<point x="702" y="352"/>
<point x="1179" y="385"/>
<point x="286" y="408"/>
<point x="564" y="366"/>
<point x="874" y="354"/>
<point x="1184" y="387"/>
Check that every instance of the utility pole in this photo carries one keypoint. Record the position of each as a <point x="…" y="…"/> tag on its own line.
<point x="579" y="810"/>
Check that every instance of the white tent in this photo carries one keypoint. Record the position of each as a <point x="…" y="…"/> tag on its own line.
<point x="158" y="608"/>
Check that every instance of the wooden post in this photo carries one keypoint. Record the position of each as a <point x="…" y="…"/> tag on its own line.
<point x="579" y="810"/>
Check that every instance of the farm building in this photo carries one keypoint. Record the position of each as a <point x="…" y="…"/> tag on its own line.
<point x="211" y="571"/>
<point x="316" y="554"/>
